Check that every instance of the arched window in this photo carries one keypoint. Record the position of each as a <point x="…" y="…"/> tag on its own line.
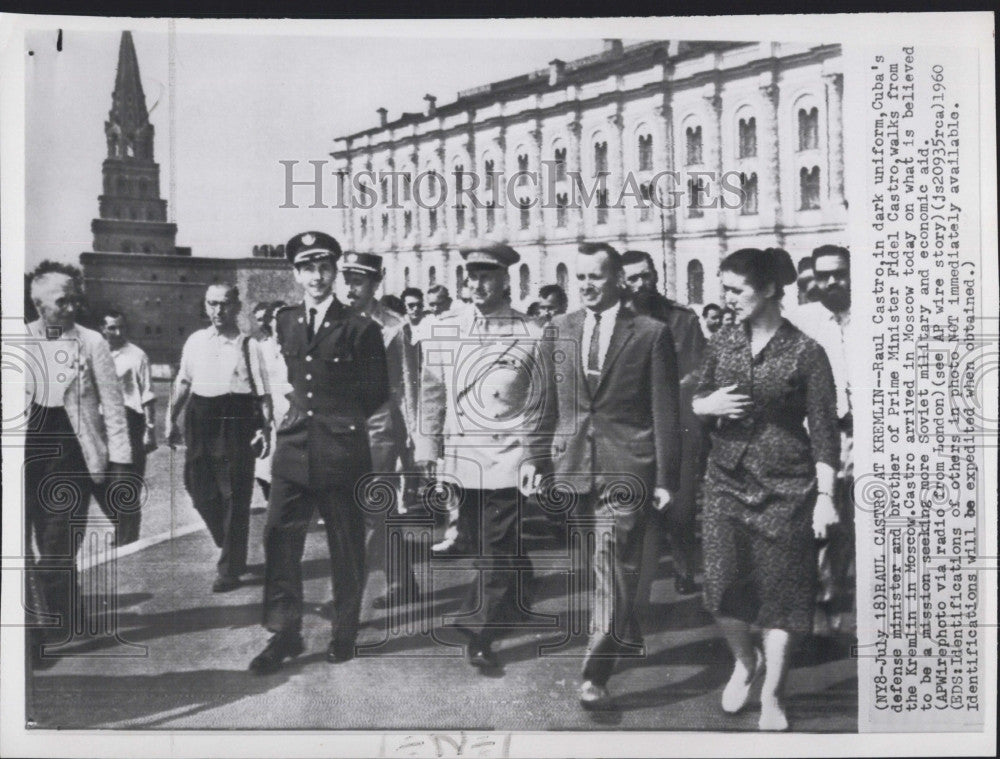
<point x="560" y="164"/>
<point x="406" y="277"/>
<point x="122" y="186"/>
<point x="522" y="168"/>
<point x="646" y="208"/>
<point x="432" y="276"/>
<point x="491" y="215"/>
<point x="602" y="206"/>
<point x="693" y="137"/>
<point x="748" y="183"/>
<point x="562" y="202"/>
<point x="143" y="188"/>
<point x="146" y="248"/>
<point x="600" y="158"/>
<point x="808" y="128"/>
<point x="696" y="282"/>
<point x="459" y="278"/>
<point x="562" y="276"/>
<point x="524" y="281"/>
<point x="525" y="213"/>
<point x="126" y="246"/>
<point x="646" y="152"/>
<point x="489" y="170"/>
<point x="748" y="137"/>
<point x="809" y="188"/>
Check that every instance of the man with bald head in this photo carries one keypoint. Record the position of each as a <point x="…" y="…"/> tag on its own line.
<point x="76" y="426"/>
<point x="224" y="389"/>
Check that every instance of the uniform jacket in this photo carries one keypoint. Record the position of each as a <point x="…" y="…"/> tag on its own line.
<point x="338" y="380"/>
<point x="480" y="396"/>
<point x="629" y="427"/>
<point x="685" y="329"/>
<point x="93" y="401"/>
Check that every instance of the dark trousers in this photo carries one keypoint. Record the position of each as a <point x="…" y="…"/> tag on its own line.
<point x="218" y="472"/>
<point x="496" y="516"/>
<point x="57" y="489"/>
<point x="289" y="514"/>
<point x="126" y="521"/>
<point x="618" y="539"/>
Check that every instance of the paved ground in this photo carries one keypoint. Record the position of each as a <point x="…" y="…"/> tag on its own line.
<point x="176" y="657"/>
<point x="181" y="654"/>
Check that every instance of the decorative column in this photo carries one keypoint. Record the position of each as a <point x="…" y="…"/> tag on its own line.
<point x="772" y="158"/>
<point x="617" y="176"/>
<point x="471" y="214"/>
<point x="538" y="213"/>
<point x="668" y="214"/>
<point x="835" y="138"/>
<point x="715" y="161"/>
<point x="575" y="128"/>
<point x="348" y="201"/>
<point x="413" y="208"/>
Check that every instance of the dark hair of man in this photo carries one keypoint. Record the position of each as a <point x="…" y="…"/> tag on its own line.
<point x="762" y="267"/>
<point x="630" y="257"/>
<point x="614" y="257"/>
<point x="57" y="267"/>
<point x="709" y="307"/>
<point x="438" y="289"/>
<point x="411" y="292"/>
<point x="805" y="264"/>
<point x="549" y="291"/>
<point x="110" y="313"/>
<point x="830" y="250"/>
<point x="394" y="304"/>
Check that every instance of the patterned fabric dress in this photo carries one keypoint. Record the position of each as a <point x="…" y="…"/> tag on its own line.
<point x="760" y="486"/>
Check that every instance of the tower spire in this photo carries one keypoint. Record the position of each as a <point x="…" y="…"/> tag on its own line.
<point x="133" y="216"/>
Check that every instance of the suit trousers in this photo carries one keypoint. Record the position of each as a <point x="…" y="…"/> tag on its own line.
<point x="494" y="595"/>
<point x="57" y="490"/>
<point x="218" y="472"/>
<point x="617" y="558"/>
<point x="126" y="523"/>
<point x="289" y="514"/>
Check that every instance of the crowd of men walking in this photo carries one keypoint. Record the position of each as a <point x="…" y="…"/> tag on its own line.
<point x="630" y="411"/>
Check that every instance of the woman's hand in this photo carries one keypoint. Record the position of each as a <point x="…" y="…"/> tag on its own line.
<point x="824" y="515"/>
<point x="724" y="402"/>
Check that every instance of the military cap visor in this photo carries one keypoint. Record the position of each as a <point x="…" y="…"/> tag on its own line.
<point x="495" y="255"/>
<point x="366" y="263"/>
<point x="312" y="246"/>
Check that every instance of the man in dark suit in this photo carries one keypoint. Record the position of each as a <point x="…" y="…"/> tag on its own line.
<point x="678" y="521"/>
<point x="612" y="407"/>
<point x="337" y="369"/>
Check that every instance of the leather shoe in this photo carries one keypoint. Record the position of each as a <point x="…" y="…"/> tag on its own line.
<point x="684" y="585"/>
<point x="397" y="595"/>
<point x="338" y="652"/>
<point x="224" y="583"/>
<point x="283" y="645"/>
<point x="482" y="657"/>
<point x="593" y="696"/>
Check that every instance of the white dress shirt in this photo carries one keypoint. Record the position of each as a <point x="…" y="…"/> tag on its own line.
<point x="608" y="318"/>
<point x="134" y="376"/>
<point x="58" y="361"/>
<point x="321" y="308"/>
<point x="213" y="364"/>
<point x="831" y="332"/>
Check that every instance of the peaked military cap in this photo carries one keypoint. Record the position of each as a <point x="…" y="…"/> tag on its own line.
<point x="311" y="246"/>
<point x="494" y="254"/>
<point x="366" y="263"/>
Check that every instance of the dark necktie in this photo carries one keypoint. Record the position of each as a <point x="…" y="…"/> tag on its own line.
<point x="594" y="356"/>
<point x="311" y="326"/>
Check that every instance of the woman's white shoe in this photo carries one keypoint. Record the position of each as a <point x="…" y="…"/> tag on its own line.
<point x="737" y="691"/>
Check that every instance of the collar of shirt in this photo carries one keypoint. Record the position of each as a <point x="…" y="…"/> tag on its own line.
<point x="214" y="333"/>
<point x="608" y="315"/>
<point x="321" y="308"/>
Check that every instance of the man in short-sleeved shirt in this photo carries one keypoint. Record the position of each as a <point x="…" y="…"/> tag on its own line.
<point x="226" y="395"/>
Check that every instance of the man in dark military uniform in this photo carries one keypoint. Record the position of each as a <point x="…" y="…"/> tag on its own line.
<point x="689" y="344"/>
<point x="337" y="370"/>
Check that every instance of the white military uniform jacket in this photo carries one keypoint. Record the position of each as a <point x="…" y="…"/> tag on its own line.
<point x="480" y="396"/>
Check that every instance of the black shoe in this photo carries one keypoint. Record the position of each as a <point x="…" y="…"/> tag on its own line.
<point x="283" y="645"/>
<point x="397" y="596"/>
<point x="481" y="656"/>
<point x="338" y="652"/>
<point x="684" y="585"/>
<point x="225" y="583"/>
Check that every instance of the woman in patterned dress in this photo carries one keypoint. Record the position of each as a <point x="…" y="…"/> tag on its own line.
<point x="769" y="482"/>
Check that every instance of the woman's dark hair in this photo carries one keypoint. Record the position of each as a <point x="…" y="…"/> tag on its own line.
<point x="762" y="267"/>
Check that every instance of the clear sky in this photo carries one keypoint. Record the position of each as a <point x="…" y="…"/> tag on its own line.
<point x="242" y="104"/>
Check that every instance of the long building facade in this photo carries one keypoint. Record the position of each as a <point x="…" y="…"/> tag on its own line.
<point x="761" y="118"/>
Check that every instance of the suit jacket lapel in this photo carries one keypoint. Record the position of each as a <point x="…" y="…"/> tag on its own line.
<point x="576" y="334"/>
<point x="619" y="337"/>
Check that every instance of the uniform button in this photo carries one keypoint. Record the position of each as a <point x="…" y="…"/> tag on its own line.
<point x="309" y="358"/>
<point x="326" y="324"/>
<point x="309" y="412"/>
<point x="351" y="427"/>
<point x="309" y="394"/>
<point x="336" y="358"/>
<point x="309" y="376"/>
